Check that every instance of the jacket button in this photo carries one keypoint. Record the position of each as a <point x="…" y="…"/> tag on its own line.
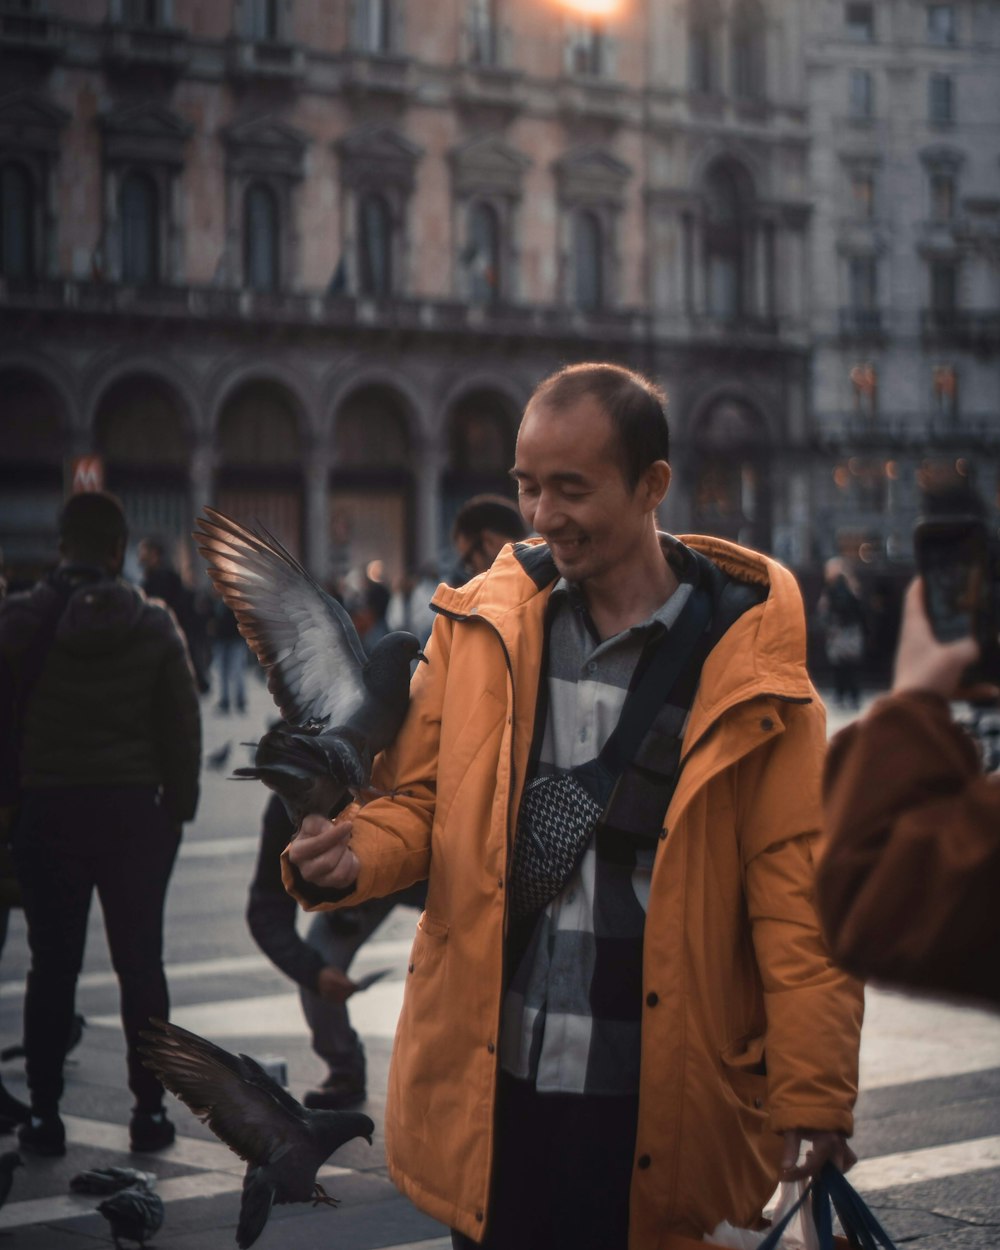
<point x="758" y="1103"/>
<point x="479" y="1216"/>
<point x="643" y="1161"/>
<point x="490" y="1047"/>
<point x="652" y="998"/>
<point x="409" y="968"/>
<point x="499" y="883"/>
<point x="767" y="723"/>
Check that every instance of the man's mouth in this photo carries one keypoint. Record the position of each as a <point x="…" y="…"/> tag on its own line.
<point x="566" y="546"/>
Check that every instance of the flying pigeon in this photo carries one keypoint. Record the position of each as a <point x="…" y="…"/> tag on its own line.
<point x="340" y="707"/>
<point x="283" y="1144"/>
<point x="135" y="1213"/>
<point x="8" y="1162"/>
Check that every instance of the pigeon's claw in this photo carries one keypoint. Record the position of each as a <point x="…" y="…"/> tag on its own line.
<point x="322" y="1198"/>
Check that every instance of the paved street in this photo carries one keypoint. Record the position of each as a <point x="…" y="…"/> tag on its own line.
<point x="929" y="1115"/>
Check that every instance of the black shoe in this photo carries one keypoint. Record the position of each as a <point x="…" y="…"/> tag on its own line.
<point x="148" y="1131"/>
<point x="337" y="1093"/>
<point x="43" y="1135"/>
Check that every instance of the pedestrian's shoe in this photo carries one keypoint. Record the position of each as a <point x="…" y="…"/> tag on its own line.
<point x="337" y="1093"/>
<point x="149" y="1131"/>
<point x="43" y="1135"/>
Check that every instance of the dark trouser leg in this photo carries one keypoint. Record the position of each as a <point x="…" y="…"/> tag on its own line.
<point x="562" y="1171"/>
<point x="56" y="876"/>
<point x="132" y="880"/>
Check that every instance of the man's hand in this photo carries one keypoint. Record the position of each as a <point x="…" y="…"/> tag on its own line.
<point x="334" y="985"/>
<point x="826" y="1148"/>
<point x="321" y="852"/>
<point x="923" y="663"/>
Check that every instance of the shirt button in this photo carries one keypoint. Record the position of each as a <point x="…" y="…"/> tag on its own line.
<point x="643" y="1161"/>
<point x="652" y="998"/>
<point x="663" y="834"/>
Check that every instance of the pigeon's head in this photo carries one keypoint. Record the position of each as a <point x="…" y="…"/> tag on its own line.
<point x="389" y="664"/>
<point x="334" y="1128"/>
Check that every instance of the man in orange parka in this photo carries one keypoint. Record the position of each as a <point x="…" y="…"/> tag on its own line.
<point x="642" y="1047"/>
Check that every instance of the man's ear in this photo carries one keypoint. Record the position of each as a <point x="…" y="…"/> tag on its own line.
<point x="656" y="482"/>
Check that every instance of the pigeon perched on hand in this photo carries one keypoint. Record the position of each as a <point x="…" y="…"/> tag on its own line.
<point x="135" y="1213"/>
<point x="283" y="1144"/>
<point x="340" y="706"/>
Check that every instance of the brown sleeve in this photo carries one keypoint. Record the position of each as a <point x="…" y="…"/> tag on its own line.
<point x="909" y="882"/>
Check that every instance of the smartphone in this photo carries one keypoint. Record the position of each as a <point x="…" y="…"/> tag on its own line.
<point x="953" y="557"/>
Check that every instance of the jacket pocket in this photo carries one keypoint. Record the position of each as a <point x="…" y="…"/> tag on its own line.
<point x="745" y="1068"/>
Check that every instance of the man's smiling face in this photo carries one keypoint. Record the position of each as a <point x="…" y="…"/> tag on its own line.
<point x="572" y="490"/>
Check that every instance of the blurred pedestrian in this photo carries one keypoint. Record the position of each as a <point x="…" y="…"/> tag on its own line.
<point x="410" y="606"/>
<point x="482" y="528"/>
<point x="230" y="656"/>
<point x="319" y="963"/>
<point x="160" y="580"/>
<point x="910" y="877"/>
<point x="842" y="616"/>
<point x="100" y="758"/>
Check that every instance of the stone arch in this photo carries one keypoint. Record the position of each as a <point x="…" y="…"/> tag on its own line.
<point x="406" y="395"/>
<point x="730" y="446"/>
<point x="234" y="376"/>
<point x="163" y="374"/>
<point x="735" y="155"/>
<point x="480" y="430"/>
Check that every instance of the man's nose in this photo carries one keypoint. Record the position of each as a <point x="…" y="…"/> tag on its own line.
<point x="546" y="511"/>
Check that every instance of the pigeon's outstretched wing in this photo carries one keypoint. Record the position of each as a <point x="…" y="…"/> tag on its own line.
<point x="300" y="634"/>
<point x="232" y="1094"/>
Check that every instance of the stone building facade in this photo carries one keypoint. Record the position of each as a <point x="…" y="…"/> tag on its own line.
<point x="306" y="262"/>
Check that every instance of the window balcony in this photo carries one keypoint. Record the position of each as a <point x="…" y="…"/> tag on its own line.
<point x="861" y="323"/>
<point x="387" y="75"/>
<point x="266" y="59"/>
<point x="143" y="48"/>
<point x="596" y="99"/>
<point x="35" y="34"/>
<point x="489" y="86"/>
<point x="977" y="330"/>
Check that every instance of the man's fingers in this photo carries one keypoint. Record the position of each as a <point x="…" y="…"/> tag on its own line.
<point x="316" y="836"/>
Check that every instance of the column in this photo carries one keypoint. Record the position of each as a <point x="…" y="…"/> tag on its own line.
<point x="429" y="469"/>
<point x="201" y="490"/>
<point x="317" y="535"/>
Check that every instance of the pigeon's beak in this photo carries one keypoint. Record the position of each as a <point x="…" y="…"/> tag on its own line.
<point x="421" y="656"/>
<point x="368" y="1140"/>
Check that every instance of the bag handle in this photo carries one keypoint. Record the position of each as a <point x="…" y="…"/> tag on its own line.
<point x="831" y="1186"/>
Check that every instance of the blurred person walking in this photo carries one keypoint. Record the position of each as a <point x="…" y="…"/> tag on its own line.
<point x="482" y="528"/>
<point x="230" y="655"/>
<point x="99" y="761"/>
<point x="842" y="617"/>
<point x="160" y="580"/>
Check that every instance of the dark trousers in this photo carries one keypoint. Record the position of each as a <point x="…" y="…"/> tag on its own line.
<point x="67" y="843"/>
<point x="562" y="1171"/>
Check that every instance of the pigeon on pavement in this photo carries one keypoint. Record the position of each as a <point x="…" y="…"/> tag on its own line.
<point x="9" y="1160"/>
<point x="340" y="707"/>
<point x="218" y="759"/>
<point x="135" y="1213"/>
<point x="109" y="1180"/>
<point x="283" y="1144"/>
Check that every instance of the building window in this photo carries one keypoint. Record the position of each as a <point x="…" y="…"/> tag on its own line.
<point x="724" y="246"/>
<point x="16" y="222"/>
<point x="140" y="230"/>
<point x="942" y="195"/>
<point x="863" y="194"/>
<point x="941" y="27"/>
<point x="862" y="284"/>
<point x="748" y="51"/>
<point x="701" y="51"/>
<point x="589" y="50"/>
<point x="374" y="247"/>
<point x="944" y="287"/>
<point x="941" y="99"/>
<point x="375" y="26"/>
<point x="861" y="94"/>
<point x="262" y="20"/>
<point x="588" y="258"/>
<point x="482" y="256"/>
<point x="859" y="22"/>
<point x="260" y="238"/>
<point x="864" y="385"/>
<point x="484" y="32"/>
<point x="944" y="391"/>
<point x="141" y="13"/>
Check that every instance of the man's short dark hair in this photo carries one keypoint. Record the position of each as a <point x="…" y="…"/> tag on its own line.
<point x="489" y="512"/>
<point x="92" y="526"/>
<point x="637" y="409"/>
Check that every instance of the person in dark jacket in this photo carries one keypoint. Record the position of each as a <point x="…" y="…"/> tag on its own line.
<point x="161" y="581"/>
<point x="100" y="751"/>
<point x="318" y="963"/>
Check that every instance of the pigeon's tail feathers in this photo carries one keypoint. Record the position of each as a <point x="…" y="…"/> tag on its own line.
<point x="258" y="1197"/>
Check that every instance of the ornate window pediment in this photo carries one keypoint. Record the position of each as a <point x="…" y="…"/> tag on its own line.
<point x="265" y="145"/>
<point x="374" y="157"/>
<point x="29" y="122"/>
<point x="145" y="134"/>
<point x="593" y="176"/>
<point x="942" y="157"/>
<point x="488" y="165"/>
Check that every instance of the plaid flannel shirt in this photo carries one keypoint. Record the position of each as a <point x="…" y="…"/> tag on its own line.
<point x="572" y="1010"/>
